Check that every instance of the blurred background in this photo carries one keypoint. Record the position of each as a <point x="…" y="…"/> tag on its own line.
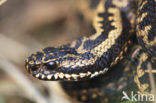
<point x="27" y="26"/>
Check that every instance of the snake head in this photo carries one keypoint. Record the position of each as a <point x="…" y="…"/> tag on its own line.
<point x="57" y="64"/>
<point x="62" y="64"/>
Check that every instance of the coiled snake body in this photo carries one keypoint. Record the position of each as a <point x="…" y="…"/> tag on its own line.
<point x="89" y="57"/>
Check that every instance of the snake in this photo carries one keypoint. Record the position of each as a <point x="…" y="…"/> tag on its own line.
<point x="117" y="23"/>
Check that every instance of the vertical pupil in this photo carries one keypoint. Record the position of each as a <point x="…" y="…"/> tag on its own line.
<point x="51" y="65"/>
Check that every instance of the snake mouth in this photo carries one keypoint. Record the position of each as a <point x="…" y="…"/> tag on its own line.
<point x="52" y="75"/>
<point x="43" y="73"/>
<point x="62" y="76"/>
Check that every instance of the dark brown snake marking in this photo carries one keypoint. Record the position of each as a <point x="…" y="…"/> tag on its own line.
<point x="146" y="27"/>
<point x="91" y="56"/>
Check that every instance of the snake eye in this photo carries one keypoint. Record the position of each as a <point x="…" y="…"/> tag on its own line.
<point x="51" y="65"/>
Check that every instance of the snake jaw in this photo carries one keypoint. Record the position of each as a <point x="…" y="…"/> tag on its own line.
<point x="43" y="74"/>
<point x="62" y="76"/>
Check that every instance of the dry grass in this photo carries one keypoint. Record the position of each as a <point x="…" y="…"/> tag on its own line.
<point x="26" y="29"/>
<point x="2" y="2"/>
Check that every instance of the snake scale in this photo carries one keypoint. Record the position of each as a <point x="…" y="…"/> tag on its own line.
<point x="87" y="65"/>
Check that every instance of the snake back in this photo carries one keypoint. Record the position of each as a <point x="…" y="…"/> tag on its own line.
<point x="146" y="27"/>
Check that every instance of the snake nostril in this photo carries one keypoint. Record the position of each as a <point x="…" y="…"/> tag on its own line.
<point x="35" y="69"/>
